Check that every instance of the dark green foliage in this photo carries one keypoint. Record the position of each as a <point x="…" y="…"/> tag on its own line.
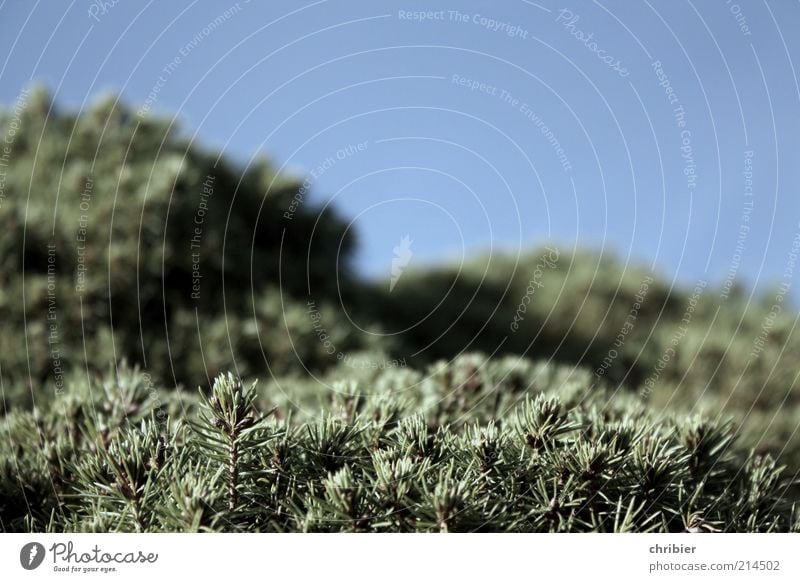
<point x="561" y="456"/>
<point x="161" y="252"/>
<point x="229" y="433"/>
<point x="688" y="349"/>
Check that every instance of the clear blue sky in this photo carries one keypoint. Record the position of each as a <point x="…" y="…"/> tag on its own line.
<point x="458" y="169"/>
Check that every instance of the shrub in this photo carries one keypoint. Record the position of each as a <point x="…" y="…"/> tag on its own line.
<point x="688" y="349"/>
<point x="123" y="239"/>
<point x="466" y="449"/>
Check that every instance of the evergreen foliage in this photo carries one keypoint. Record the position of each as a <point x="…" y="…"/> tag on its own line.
<point x="466" y="449"/>
<point x="132" y="234"/>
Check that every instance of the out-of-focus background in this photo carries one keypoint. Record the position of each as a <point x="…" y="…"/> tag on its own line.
<point x="484" y="127"/>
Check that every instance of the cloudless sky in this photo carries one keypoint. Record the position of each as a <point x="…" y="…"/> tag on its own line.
<point x="460" y="169"/>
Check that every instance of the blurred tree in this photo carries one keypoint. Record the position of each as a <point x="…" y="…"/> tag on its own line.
<point x="123" y="239"/>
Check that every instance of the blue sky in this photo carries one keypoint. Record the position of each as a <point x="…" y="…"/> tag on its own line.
<point x="483" y="126"/>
